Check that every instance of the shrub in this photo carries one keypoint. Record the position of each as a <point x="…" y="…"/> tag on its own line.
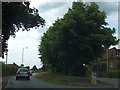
<point x="8" y="70"/>
<point x="99" y="66"/>
<point x="114" y="74"/>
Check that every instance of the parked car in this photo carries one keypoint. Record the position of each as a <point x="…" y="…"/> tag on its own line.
<point x="22" y="73"/>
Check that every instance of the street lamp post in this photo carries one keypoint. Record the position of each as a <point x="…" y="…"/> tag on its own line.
<point x="23" y="53"/>
<point x="107" y="61"/>
<point x="6" y="55"/>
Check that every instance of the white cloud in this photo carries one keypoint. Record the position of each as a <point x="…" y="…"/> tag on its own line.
<point x="37" y="3"/>
<point x="30" y="54"/>
<point x="100" y="0"/>
<point x="112" y="20"/>
<point x="51" y="5"/>
<point x="53" y="13"/>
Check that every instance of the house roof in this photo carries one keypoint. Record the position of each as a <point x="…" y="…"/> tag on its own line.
<point x="110" y="53"/>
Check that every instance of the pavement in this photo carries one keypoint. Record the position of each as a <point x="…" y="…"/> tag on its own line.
<point x="115" y="82"/>
<point x="0" y="83"/>
<point x="3" y="81"/>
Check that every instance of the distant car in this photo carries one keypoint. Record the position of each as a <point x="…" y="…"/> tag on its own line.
<point x="22" y="73"/>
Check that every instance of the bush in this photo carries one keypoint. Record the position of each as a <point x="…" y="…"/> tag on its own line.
<point x="99" y="66"/>
<point x="114" y="74"/>
<point x="8" y="70"/>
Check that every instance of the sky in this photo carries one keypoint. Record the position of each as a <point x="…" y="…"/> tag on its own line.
<point x="50" y="10"/>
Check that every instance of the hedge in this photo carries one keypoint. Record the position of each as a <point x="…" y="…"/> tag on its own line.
<point x="8" y="70"/>
<point x="114" y="74"/>
<point x="99" y="66"/>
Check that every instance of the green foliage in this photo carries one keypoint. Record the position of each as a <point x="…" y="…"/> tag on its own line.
<point x="94" y="66"/>
<point x="99" y="66"/>
<point x="16" y="16"/>
<point x="76" y="39"/>
<point x="88" y="71"/>
<point x="28" y="67"/>
<point x="34" y="69"/>
<point x="114" y="74"/>
<point x="8" y="70"/>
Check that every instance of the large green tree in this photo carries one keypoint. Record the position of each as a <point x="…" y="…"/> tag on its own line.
<point x="77" y="39"/>
<point x="16" y="15"/>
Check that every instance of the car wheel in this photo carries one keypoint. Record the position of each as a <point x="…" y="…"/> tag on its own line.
<point x="28" y="78"/>
<point x="16" y="78"/>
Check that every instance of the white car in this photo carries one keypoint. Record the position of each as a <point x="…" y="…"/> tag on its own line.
<point x="23" y="73"/>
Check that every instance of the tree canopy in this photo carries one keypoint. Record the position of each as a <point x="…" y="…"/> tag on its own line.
<point x="77" y="39"/>
<point x="34" y="67"/>
<point x="16" y="15"/>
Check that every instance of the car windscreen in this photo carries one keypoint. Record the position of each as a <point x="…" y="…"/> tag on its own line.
<point x="23" y="70"/>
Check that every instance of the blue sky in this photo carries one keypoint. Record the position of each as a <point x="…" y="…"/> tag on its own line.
<point x="50" y="10"/>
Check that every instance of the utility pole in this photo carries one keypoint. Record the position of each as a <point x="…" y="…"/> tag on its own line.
<point x="6" y="50"/>
<point x="79" y="0"/>
<point x="6" y="55"/>
<point x="107" y="60"/>
<point x="23" y="53"/>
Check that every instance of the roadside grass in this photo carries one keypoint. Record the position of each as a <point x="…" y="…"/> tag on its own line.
<point x="63" y="80"/>
<point x="56" y="78"/>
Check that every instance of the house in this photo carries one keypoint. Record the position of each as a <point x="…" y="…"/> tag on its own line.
<point x="112" y="58"/>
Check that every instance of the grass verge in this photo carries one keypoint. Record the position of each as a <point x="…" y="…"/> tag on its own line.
<point x="63" y="80"/>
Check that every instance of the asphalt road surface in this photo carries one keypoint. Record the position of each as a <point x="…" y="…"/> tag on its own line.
<point x="113" y="81"/>
<point x="32" y="83"/>
<point x="35" y="83"/>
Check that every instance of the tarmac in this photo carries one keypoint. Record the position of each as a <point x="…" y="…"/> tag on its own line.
<point x="113" y="81"/>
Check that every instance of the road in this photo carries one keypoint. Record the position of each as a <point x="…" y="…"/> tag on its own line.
<point x="35" y="83"/>
<point x="112" y="81"/>
<point x="0" y="82"/>
<point x="32" y="83"/>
